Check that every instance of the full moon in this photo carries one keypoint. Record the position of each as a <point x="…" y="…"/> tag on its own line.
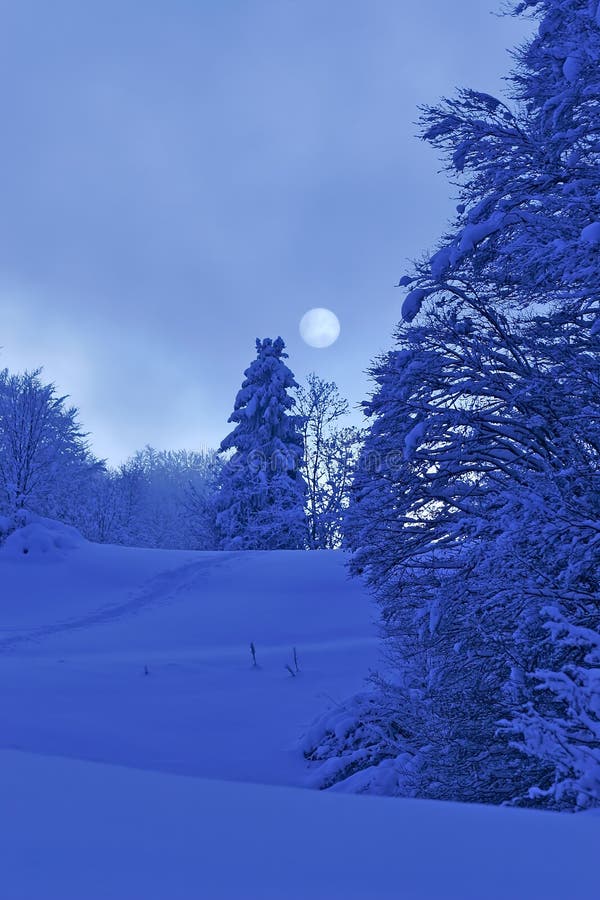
<point x="319" y="327"/>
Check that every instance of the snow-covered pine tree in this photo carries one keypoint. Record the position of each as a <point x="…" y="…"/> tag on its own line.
<point x="262" y="492"/>
<point x="478" y="526"/>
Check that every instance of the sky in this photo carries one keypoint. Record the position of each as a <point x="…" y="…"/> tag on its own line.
<point x="179" y="178"/>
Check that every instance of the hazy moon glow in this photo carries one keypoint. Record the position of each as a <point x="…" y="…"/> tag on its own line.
<point x="319" y="327"/>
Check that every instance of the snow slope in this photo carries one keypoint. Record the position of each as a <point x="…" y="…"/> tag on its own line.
<point x="145" y="835"/>
<point x="79" y="628"/>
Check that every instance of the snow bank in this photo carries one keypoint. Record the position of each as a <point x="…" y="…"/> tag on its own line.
<point x="43" y="538"/>
<point x="72" y="830"/>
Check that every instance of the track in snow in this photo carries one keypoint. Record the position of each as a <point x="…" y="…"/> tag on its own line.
<point x="162" y="588"/>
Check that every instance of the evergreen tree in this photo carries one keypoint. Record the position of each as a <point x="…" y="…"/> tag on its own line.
<point x="262" y="495"/>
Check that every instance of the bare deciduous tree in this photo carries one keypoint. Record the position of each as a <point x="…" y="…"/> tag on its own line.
<point x="330" y="454"/>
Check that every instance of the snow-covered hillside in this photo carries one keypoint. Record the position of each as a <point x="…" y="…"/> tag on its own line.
<point x="80" y="630"/>
<point x="140" y="659"/>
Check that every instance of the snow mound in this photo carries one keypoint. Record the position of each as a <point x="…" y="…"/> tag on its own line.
<point x="42" y="537"/>
<point x="413" y="303"/>
<point x="591" y="233"/>
<point x="572" y="68"/>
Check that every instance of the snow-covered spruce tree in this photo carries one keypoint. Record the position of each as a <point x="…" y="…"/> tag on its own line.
<point x="478" y="524"/>
<point x="330" y="454"/>
<point x="262" y="491"/>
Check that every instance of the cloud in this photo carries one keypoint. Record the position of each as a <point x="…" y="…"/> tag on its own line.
<point x="176" y="183"/>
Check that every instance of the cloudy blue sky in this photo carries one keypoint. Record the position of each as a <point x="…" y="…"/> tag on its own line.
<point x="178" y="178"/>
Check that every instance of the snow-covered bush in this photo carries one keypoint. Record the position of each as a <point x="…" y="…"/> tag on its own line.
<point x="360" y="746"/>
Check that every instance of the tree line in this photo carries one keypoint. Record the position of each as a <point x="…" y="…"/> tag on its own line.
<point x="280" y="480"/>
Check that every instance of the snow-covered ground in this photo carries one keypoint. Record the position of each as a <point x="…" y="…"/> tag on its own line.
<point x="94" y="832"/>
<point x="80" y="626"/>
<point x="79" y="631"/>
